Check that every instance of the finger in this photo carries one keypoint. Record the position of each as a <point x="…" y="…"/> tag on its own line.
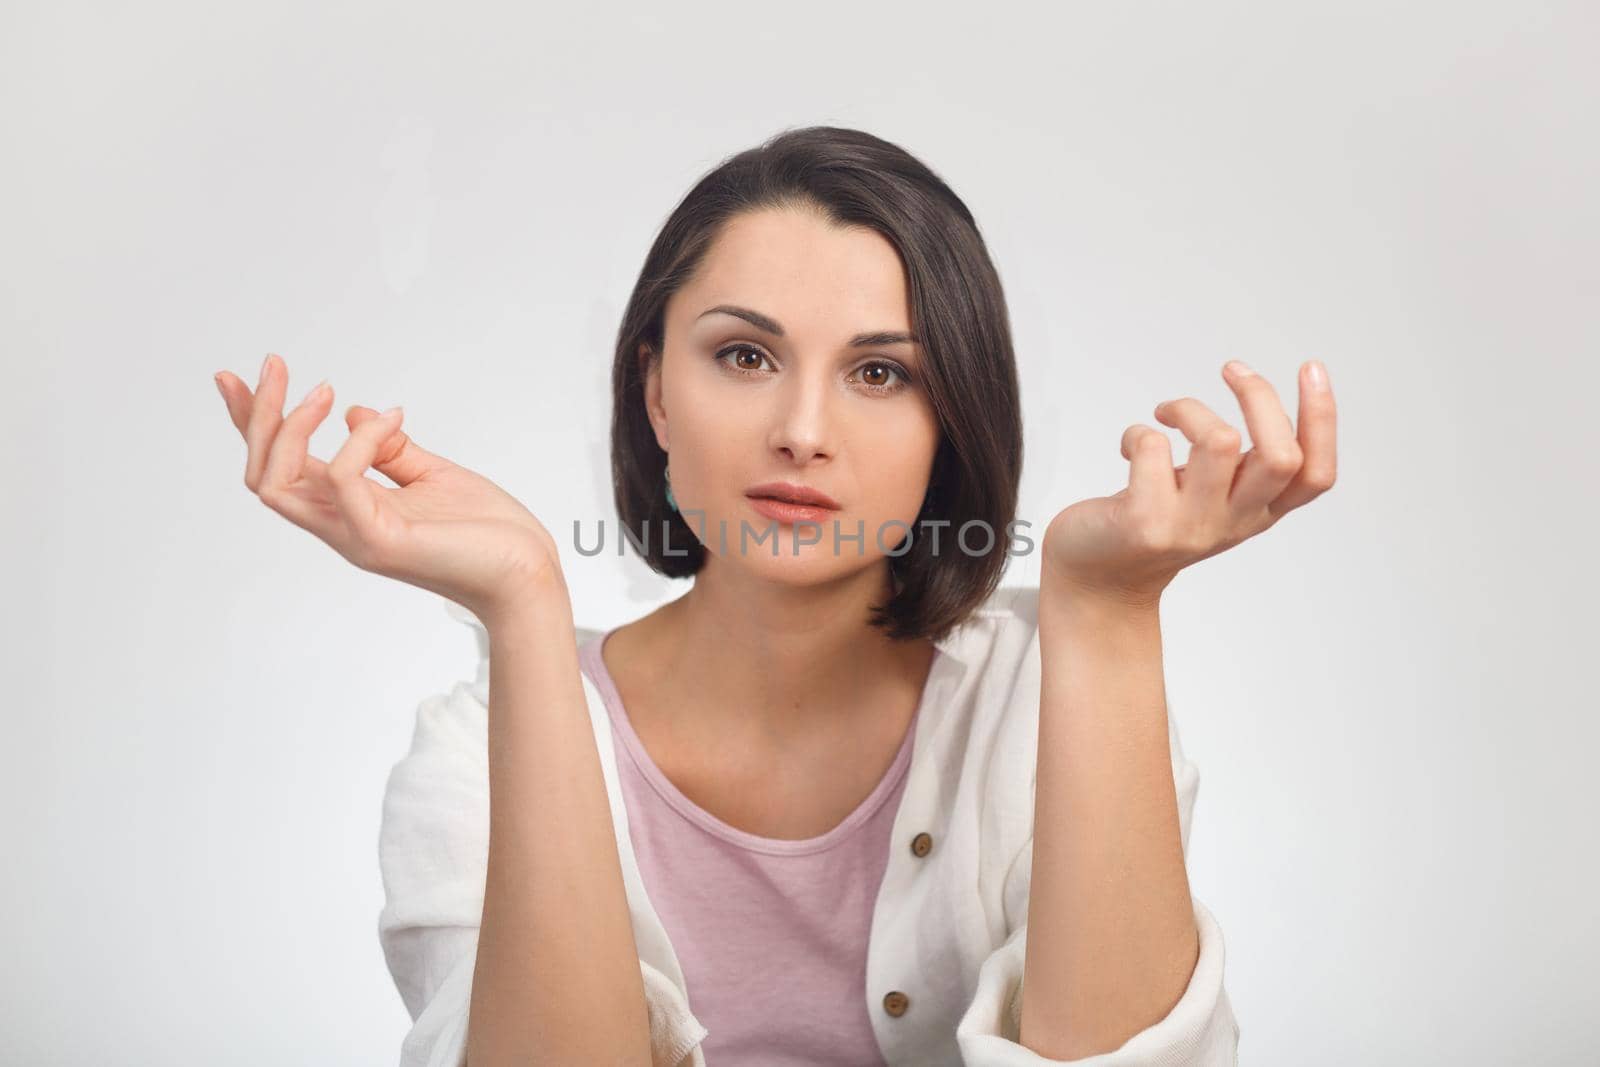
<point x="1151" y="481"/>
<point x="287" y="460"/>
<point x="1213" y="450"/>
<point x="399" y="458"/>
<point x="1274" y="457"/>
<point x="266" y="415"/>
<point x="236" y="396"/>
<point x="357" y="495"/>
<point x="1318" y="418"/>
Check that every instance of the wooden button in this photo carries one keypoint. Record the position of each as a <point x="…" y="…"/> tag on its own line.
<point x="896" y="1003"/>
<point x="921" y="845"/>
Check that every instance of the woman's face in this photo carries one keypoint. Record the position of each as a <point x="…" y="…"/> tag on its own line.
<point x="804" y="395"/>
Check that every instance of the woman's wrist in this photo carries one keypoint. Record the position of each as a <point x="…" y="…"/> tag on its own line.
<point x="531" y="602"/>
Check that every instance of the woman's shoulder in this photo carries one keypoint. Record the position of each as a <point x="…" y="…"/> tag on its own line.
<point x="1015" y="606"/>
<point x="995" y="638"/>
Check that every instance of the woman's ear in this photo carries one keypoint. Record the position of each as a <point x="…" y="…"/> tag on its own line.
<point x="650" y="371"/>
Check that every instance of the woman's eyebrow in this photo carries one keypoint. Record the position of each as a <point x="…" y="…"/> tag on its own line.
<point x="771" y="325"/>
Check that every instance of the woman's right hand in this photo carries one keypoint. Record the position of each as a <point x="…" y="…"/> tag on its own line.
<point x="444" y="529"/>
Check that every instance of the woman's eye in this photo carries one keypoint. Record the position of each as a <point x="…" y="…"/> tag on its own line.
<point x="746" y="358"/>
<point x="883" y="377"/>
<point x="879" y="375"/>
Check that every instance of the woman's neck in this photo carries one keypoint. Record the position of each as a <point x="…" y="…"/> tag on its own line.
<point x="774" y="662"/>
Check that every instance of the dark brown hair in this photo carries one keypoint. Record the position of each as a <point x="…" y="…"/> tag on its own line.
<point x="958" y="312"/>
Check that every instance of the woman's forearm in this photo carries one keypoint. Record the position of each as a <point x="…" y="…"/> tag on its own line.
<point x="1112" y="942"/>
<point x="557" y="978"/>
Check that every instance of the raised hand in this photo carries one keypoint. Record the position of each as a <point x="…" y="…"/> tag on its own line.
<point x="1130" y="545"/>
<point x="444" y="528"/>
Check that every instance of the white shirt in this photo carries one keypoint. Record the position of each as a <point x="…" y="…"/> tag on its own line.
<point x="949" y="927"/>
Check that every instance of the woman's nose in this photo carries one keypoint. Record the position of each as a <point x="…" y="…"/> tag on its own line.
<point x="803" y="419"/>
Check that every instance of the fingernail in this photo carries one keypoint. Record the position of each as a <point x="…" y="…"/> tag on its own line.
<point x="1317" y="374"/>
<point x="316" y="390"/>
<point x="264" y="365"/>
<point x="217" y="377"/>
<point x="1239" y="369"/>
<point x="392" y="411"/>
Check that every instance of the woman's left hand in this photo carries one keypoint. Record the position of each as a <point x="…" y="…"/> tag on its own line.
<point x="1128" y="546"/>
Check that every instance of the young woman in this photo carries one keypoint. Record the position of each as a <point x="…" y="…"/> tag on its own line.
<point x="846" y="799"/>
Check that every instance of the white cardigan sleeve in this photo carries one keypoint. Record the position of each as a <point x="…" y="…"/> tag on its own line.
<point x="433" y="851"/>
<point x="1199" y="1031"/>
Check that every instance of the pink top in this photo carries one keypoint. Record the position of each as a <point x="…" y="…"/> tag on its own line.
<point x="771" y="934"/>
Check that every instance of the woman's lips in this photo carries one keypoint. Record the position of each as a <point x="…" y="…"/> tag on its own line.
<point x="784" y="512"/>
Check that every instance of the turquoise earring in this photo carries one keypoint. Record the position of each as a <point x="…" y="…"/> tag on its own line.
<point x="666" y="476"/>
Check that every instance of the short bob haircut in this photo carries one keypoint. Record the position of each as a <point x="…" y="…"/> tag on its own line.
<point x="958" y="313"/>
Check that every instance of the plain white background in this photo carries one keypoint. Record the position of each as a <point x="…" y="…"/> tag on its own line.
<point x="1387" y="694"/>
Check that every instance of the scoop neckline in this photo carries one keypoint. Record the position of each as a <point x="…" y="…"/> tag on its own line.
<point x="595" y="666"/>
